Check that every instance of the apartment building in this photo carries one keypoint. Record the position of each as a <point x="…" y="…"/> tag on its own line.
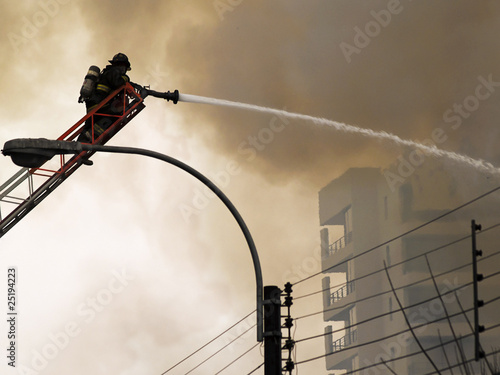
<point x="372" y="232"/>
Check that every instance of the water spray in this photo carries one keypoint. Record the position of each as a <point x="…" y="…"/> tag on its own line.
<point x="481" y="165"/>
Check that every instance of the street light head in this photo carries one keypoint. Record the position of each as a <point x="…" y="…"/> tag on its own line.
<point x="33" y="153"/>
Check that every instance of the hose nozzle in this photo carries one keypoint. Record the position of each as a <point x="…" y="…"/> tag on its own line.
<point x="173" y="96"/>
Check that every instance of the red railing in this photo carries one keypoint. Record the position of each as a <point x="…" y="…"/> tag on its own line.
<point x="54" y="172"/>
<point x="130" y="103"/>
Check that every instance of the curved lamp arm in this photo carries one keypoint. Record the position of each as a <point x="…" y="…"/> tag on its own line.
<point x="32" y="151"/>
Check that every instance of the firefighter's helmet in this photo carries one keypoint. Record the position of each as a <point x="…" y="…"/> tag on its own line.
<point x="120" y="59"/>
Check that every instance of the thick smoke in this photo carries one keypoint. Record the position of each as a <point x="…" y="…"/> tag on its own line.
<point x="398" y="66"/>
<point x="421" y="66"/>
<point x="422" y="70"/>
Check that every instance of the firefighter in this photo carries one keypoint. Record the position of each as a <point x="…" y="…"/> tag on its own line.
<point x="111" y="78"/>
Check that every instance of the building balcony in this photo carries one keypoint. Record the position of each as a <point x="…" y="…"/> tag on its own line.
<point x="344" y="342"/>
<point x="337" y="304"/>
<point x="342" y="292"/>
<point x="337" y="252"/>
<point x="340" y="244"/>
<point x="337" y="357"/>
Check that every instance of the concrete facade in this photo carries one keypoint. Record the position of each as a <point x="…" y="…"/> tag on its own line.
<point x="367" y="225"/>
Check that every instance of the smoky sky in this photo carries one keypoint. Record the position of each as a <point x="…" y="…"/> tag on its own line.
<point x="411" y="67"/>
<point x="397" y="66"/>
<point x="427" y="59"/>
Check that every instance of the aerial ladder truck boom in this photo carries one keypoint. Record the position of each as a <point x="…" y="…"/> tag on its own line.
<point x="22" y="192"/>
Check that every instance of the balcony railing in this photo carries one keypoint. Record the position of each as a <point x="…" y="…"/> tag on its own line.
<point x="345" y="341"/>
<point x="340" y="293"/>
<point x="340" y="243"/>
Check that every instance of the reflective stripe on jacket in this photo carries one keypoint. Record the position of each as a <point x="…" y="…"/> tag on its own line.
<point x="110" y="79"/>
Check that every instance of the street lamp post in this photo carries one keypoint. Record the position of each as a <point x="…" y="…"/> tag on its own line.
<point x="33" y="153"/>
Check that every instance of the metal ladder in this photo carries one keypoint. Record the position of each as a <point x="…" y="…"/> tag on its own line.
<point x="29" y="186"/>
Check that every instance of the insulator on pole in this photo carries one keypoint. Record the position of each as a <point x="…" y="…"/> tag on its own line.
<point x="476" y="278"/>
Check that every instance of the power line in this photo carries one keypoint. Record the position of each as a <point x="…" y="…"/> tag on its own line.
<point x="403" y="234"/>
<point x="208" y="343"/>
<point x="258" y="367"/>
<point x="358" y="255"/>
<point x="375" y="317"/>
<point x="408" y="323"/>
<point x="406" y="260"/>
<point x="221" y="349"/>
<point x="238" y="358"/>
<point x="401" y="309"/>
<point x="473" y="330"/>
<point x="444" y="308"/>
<point x="417" y="353"/>
<point x="391" y="266"/>
<point x="381" y="269"/>
<point x="388" y="291"/>
<point x="399" y="333"/>
<point x="469" y="360"/>
<point x="430" y="349"/>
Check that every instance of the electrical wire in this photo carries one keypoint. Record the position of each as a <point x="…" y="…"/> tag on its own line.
<point x="472" y="330"/>
<point x="417" y="353"/>
<point x="379" y="294"/>
<point x="467" y="361"/>
<point x="408" y="323"/>
<point x="418" y="227"/>
<point x="391" y="266"/>
<point x="485" y="258"/>
<point x="399" y="333"/>
<point x="220" y="350"/>
<point x="400" y="263"/>
<point x="376" y="317"/>
<point x="397" y="237"/>
<point x="436" y="288"/>
<point x="383" y="315"/>
<point x="255" y="369"/>
<point x="238" y="358"/>
<point x="358" y="255"/>
<point x="430" y="349"/>
<point x="398" y="310"/>
<point x="208" y="343"/>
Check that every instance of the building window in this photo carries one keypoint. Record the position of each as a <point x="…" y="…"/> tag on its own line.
<point x="388" y="255"/>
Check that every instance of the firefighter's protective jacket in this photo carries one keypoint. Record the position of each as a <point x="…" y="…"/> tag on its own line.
<point x="111" y="78"/>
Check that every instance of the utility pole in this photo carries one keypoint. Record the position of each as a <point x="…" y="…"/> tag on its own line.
<point x="478" y="353"/>
<point x="272" y="330"/>
<point x="289" y="341"/>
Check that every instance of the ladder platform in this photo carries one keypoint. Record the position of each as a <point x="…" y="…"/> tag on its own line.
<point x="29" y="186"/>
